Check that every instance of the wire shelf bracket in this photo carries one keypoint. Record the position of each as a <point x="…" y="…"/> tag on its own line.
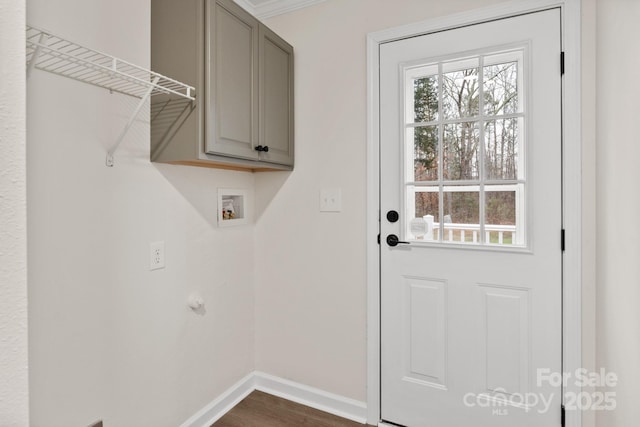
<point x="48" y="52"/>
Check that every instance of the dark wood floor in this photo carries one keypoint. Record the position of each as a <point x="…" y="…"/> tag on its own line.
<point x="264" y="410"/>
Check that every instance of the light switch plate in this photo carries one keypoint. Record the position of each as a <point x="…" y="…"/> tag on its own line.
<point x="331" y="200"/>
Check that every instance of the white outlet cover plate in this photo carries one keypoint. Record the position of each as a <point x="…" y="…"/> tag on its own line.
<point x="156" y="255"/>
<point x="331" y="200"/>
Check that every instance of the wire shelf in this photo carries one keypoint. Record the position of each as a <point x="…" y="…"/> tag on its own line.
<point x="57" y="55"/>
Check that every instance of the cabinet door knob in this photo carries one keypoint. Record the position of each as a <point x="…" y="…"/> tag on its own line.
<point x="265" y="148"/>
<point x="259" y="148"/>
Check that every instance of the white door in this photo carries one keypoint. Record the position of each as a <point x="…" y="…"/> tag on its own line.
<point x="471" y="163"/>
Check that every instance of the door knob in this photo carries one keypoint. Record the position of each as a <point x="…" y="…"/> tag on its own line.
<point x="392" y="240"/>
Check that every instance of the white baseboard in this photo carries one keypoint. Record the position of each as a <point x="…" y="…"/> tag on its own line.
<point x="319" y="399"/>
<point x="223" y="404"/>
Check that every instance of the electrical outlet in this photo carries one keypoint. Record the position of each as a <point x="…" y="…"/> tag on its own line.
<point x="156" y="255"/>
<point x="331" y="200"/>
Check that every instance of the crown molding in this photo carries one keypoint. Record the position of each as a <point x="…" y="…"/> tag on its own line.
<point x="272" y="8"/>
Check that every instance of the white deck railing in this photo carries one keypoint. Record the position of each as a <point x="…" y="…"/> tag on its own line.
<point x="470" y="233"/>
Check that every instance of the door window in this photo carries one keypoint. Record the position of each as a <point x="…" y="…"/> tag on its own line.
<point x="464" y="150"/>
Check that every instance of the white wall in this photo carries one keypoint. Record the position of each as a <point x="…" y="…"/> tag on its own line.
<point x="310" y="266"/>
<point x="14" y="397"/>
<point x="589" y="242"/>
<point x="588" y="194"/>
<point x="110" y="339"/>
<point x="618" y="174"/>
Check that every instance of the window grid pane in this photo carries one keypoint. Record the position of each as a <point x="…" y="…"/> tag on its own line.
<point x="465" y="126"/>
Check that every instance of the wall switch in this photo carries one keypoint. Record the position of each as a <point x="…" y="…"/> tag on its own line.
<point x="331" y="200"/>
<point x="156" y="255"/>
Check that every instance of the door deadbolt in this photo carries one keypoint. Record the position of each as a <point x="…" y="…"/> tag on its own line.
<point x="392" y="216"/>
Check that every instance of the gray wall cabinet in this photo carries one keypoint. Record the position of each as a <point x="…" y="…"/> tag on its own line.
<point x="243" y="74"/>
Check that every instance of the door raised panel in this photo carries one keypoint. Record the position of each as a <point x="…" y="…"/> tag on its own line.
<point x="425" y="344"/>
<point x="276" y="95"/>
<point x="233" y="83"/>
<point x="507" y="337"/>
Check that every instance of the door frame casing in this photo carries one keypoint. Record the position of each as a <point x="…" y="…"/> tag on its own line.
<point x="571" y="179"/>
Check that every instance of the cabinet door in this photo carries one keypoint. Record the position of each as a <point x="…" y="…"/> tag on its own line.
<point x="276" y="98"/>
<point x="232" y="81"/>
